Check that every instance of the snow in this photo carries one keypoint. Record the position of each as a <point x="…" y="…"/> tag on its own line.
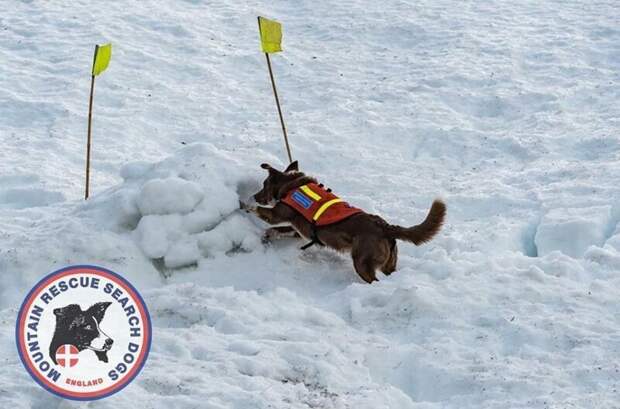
<point x="507" y="111"/>
<point x="172" y="195"/>
<point x="572" y="231"/>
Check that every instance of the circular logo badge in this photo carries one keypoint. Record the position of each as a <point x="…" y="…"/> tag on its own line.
<point x="83" y="332"/>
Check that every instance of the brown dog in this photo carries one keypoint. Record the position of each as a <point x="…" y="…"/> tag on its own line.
<point x="369" y="238"/>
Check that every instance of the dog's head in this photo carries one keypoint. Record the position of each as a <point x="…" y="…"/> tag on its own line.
<point x="81" y="329"/>
<point x="275" y="181"/>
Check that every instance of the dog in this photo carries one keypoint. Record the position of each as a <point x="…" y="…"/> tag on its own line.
<point x="369" y="238"/>
<point x="81" y="329"/>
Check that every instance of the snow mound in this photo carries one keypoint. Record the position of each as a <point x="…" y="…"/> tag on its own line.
<point x="189" y="208"/>
<point x="572" y="231"/>
<point x="162" y="216"/>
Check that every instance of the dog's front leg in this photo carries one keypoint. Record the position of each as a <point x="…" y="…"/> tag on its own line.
<point x="279" y="232"/>
<point x="274" y="215"/>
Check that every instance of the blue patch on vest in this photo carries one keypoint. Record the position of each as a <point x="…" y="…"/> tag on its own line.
<point x="301" y="199"/>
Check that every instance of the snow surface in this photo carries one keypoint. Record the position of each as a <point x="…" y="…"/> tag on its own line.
<point x="507" y="110"/>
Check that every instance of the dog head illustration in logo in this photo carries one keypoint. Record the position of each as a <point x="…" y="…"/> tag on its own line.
<point x="81" y="329"/>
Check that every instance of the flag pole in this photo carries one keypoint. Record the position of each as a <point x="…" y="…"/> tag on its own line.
<point x="275" y="94"/>
<point x="90" y="118"/>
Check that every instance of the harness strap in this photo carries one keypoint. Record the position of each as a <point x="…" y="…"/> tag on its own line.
<point x="302" y="200"/>
<point x="308" y="244"/>
<point x="314" y="239"/>
<point x="325" y="206"/>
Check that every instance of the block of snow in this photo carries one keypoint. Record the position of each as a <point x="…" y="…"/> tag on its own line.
<point x="614" y="239"/>
<point x="135" y="170"/>
<point x="182" y="253"/>
<point x="155" y="234"/>
<point x="234" y="233"/>
<point x="572" y="230"/>
<point x="168" y="196"/>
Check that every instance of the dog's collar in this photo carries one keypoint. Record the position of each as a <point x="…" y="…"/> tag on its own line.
<point x="292" y="185"/>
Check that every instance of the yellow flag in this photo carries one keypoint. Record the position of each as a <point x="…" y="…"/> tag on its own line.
<point x="270" y="35"/>
<point x="103" y="53"/>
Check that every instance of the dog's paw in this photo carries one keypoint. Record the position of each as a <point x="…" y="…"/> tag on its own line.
<point x="247" y="208"/>
<point x="274" y="233"/>
<point x="268" y="236"/>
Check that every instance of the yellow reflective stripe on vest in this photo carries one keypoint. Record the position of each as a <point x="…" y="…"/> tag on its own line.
<point x="325" y="207"/>
<point x="310" y="192"/>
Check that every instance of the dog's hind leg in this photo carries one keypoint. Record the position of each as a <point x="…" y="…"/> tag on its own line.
<point x="365" y="268"/>
<point x="365" y="260"/>
<point x="390" y="264"/>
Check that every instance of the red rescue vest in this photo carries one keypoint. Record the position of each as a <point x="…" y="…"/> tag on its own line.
<point x="318" y="205"/>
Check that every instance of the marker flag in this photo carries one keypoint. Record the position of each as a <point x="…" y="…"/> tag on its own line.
<point x="270" y="35"/>
<point x="103" y="53"/>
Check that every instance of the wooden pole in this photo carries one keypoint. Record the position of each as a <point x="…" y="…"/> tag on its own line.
<point x="90" y="119"/>
<point x="275" y="94"/>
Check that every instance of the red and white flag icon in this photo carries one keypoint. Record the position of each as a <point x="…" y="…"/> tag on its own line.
<point x="67" y="355"/>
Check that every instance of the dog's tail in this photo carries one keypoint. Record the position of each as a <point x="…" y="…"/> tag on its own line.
<point x="424" y="231"/>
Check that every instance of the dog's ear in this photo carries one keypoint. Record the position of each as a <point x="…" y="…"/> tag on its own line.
<point x="66" y="311"/>
<point x="98" y="310"/>
<point x="271" y="169"/>
<point x="293" y="166"/>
